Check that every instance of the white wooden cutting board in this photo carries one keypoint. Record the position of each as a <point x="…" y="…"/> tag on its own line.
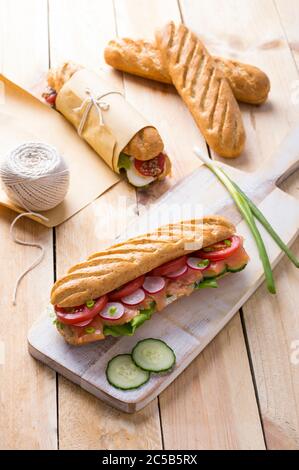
<point x="188" y="324"/>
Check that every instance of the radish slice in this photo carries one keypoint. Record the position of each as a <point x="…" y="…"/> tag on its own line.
<point x="83" y="323"/>
<point x="178" y="273"/>
<point x="198" y="264"/>
<point x="112" y="311"/>
<point x="153" y="284"/>
<point x="135" y="298"/>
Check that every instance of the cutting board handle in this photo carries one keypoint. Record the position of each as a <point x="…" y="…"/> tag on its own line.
<point x="285" y="160"/>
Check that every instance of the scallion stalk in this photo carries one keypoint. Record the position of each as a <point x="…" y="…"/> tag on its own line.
<point x="245" y="210"/>
<point x="260" y="216"/>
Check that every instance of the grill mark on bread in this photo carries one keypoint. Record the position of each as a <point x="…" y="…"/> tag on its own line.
<point x="187" y="64"/>
<point x="194" y="61"/>
<point x="204" y="93"/>
<point x="171" y="36"/>
<point x="222" y="120"/>
<point x="197" y="75"/>
<point x="211" y="116"/>
<point x="180" y="46"/>
<point x="202" y="64"/>
<point x="235" y="133"/>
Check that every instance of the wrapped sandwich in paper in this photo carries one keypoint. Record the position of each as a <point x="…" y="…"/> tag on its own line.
<point x="111" y="126"/>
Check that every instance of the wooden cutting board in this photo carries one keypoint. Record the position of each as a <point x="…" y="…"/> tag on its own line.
<point x="188" y="324"/>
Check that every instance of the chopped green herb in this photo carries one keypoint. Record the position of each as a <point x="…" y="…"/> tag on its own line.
<point x="90" y="303"/>
<point x="112" y="310"/>
<point x="90" y="330"/>
<point x="203" y="263"/>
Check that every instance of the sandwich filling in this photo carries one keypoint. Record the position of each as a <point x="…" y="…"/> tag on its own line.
<point x="121" y="311"/>
<point x="141" y="173"/>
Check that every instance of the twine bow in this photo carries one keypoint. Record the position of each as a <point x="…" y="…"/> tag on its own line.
<point x="99" y="105"/>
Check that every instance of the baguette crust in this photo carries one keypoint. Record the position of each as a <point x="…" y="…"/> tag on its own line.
<point x="204" y="89"/>
<point x="109" y="269"/>
<point x="145" y="145"/>
<point x="248" y="83"/>
<point x="138" y="58"/>
<point x="57" y="77"/>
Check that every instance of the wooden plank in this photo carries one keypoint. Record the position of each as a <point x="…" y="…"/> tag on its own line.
<point x="211" y="410"/>
<point x="28" y="389"/>
<point x="85" y="422"/>
<point x="258" y="38"/>
<point x="289" y="16"/>
<point x="158" y="102"/>
<point x="175" y="116"/>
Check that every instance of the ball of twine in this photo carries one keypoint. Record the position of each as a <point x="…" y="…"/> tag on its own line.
<point x="35" y="176"/>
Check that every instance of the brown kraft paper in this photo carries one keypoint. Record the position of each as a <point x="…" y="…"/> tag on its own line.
<point x="24" y="118"/>
<point x="120" y="121"/>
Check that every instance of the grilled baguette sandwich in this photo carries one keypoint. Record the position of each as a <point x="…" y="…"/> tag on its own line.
<point x="116" y="290"/>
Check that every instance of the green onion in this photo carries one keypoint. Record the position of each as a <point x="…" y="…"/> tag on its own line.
<point x="112" y="310"/>
<point x="203" y="263"/>
<point x="245" y="210"/>
<point x="259" y="215"/>
<point x="90" y="303"/>
<point x="90" y="330"/>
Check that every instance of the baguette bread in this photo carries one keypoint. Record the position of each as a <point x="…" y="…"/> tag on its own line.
<point x="109" y="269"/>
<point x="248" y="83"/>
<point x="145" y="145"/>
<point x="204" y="89"/>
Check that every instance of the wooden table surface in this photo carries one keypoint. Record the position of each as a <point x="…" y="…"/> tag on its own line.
<point x="242" y="392"/>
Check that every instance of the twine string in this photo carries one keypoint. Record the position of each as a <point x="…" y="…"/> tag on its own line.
<point x="96" y="101"/>
<point x="35" y="177"/>
<point x="37" y="261"/>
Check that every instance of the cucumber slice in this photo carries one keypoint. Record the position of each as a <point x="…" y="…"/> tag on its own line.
<point x="153" y="355"/>
<point x="237" y="270"/>
<point x="216" y="268"/>
<point x="124" y="374"/>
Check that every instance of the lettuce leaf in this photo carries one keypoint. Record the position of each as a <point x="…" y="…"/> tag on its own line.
<point x="124" y="161"/>
<point x="128" y="329"/>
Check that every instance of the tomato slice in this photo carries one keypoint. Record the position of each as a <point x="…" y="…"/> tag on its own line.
<point x="221" y="250"/>
<point x="170" y="267"/>
<point x="153" y="167"/>
<point x="82" y="313"/>
<point x="51" y="99"/>
<point x="127" y="289"/>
